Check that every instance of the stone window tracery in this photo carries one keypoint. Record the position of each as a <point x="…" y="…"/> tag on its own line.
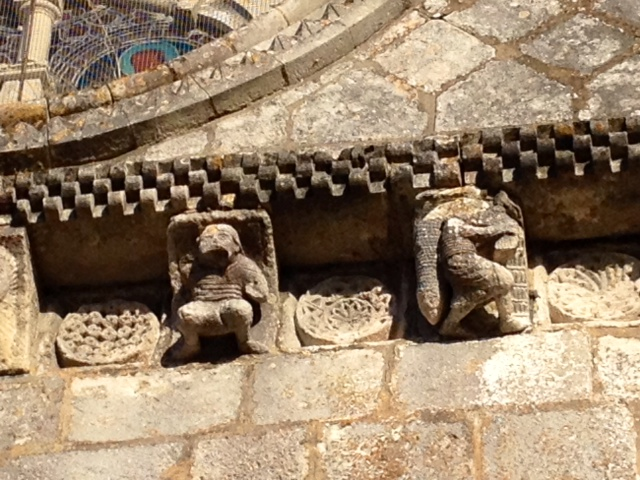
<point x="96" y="41"/>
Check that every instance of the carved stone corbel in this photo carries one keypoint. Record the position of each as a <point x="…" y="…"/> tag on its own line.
<point x="224" y="279"/>
<point x="471" y="262"/>
<point x="18" y="302"/>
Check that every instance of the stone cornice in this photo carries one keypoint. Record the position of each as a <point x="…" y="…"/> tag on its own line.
<point x="491" y="159"/>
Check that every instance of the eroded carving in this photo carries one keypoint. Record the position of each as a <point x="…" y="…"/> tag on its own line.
<point x="345" y="310"/>
<point x="469" y="254"/>
<point x="18" y="303"/>
<point x="114" y="332"/>
<point x="597" y="286"/>
<point x="219" y="289"/>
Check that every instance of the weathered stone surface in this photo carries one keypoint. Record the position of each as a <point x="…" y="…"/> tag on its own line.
<point x="111" y="332"/>
<point x="18" y="302"/>
<point x="209" y="304"/>
<point x="445" y="53"/>
<point x="273" y="455"/>
<point x="252" y="129"/>
<point x="590" y="445"/>
<point x="160" y="403"/>
<point x="94" y="134"/>
<point x="390" y="35"/>
<point x="616" y="91"/>
<point x="505" y="19"/>
<point x="410" y="451"/>
<point x="618" y="366"/>
<point x="525" y="369"/>
<point x="345" y="310"/>
<point x="583" y="43"/>
<point x="323" y="386"/>
<point x="190" y="144"/>
<point x="358" y="106"/>
<point x="626" y="10"/>
<point x="595" y="286"/>
<point x="142" y="463"/>
<point x="29" y="412"/>
<point x="502" y="93"/>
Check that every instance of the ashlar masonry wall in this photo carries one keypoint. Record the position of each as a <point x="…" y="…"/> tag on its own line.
<point x="554" y="405"/>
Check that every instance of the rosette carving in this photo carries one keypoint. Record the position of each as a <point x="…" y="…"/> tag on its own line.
<point x="596" y="287"/>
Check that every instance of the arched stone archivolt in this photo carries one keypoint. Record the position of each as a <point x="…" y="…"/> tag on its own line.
<point x="96" y="42"/>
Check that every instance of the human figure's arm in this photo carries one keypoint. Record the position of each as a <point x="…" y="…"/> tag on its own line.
<point x="255" y="284"/>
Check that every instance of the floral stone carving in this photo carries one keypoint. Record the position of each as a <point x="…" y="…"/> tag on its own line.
<point x="114" y="332"/>
<point x="596" y="286"/>
<point x="344" y="310"/>
<point x="470" y="253"/>
<point x="222" y="268"/>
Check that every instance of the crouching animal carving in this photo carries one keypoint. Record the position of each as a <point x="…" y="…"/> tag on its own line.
<point x="470" y="253"/>
<point x="221" y="284"/>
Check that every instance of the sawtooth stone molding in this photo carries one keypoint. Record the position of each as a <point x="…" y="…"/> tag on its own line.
<point x="136" y="111"/>
<point x="522" y="159"/>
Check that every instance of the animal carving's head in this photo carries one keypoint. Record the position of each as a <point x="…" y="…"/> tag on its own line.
<point x="219" y="241"/>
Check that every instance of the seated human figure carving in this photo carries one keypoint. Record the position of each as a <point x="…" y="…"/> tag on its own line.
<point x="221" y="284"/>
<point x="473" y="253"/>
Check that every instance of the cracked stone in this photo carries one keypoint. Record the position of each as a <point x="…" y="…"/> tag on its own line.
<point x="503" y="93"/>
<point x="626" y="10"/>
<point x="615" y="92"/>
<point x="444" y="52"/>
<point x="583" y="43"/>
<point x="359" y="106"/>
<point x="505" y="19"/>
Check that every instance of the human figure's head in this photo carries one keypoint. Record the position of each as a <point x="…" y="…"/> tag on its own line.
<point x="218" y="243"/>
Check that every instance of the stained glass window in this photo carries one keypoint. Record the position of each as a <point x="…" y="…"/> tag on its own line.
<point x="99" y="40"/>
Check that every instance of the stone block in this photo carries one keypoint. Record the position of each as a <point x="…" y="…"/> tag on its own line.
<point x="241" y="80"/>
<point x="618" y="366"/>
<point x="19" y="307"/>
<point x="29" y="412"/>
<point x="324" y="386"/>
<point x="590" y="445"/>
<point x="518" y="370"/>
<point x="91" y="135"/>
<point x="415" y="450"/>
<point x="160" y="403"/>
<point x="148" y="462"/>
<point x="167" y="110"/>
<point x="273" y="455"/>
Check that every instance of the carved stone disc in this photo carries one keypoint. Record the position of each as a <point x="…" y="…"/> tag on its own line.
<point x="596" y="287"/>
<point x="345" y="310"/>
<point x="106" y="333"/>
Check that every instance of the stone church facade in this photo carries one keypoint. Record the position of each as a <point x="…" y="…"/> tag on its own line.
<point x="371" y="239"/>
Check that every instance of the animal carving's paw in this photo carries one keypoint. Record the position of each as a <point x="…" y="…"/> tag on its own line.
<point x="516" y="325"/>
<point x="183" y="352"/>
<point x="254" y="347"/>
